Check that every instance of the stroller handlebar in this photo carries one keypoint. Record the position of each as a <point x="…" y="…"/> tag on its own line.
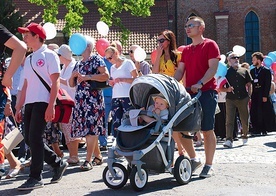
<point x="199" y="92"/>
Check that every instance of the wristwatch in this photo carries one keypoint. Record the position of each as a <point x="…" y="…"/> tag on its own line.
<point x="200" y="82"/>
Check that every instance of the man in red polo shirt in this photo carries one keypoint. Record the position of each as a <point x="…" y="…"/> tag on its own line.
<point x="200" y="61"/>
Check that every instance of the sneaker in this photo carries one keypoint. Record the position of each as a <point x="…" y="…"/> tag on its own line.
<point x="206" y="172"/>
<point x="195" y="165"/>
<point x="103" y="148"/>
<point x="228" y="144"/>
<point x="22" y="160"/>
<point x="198" y="144"/>
<point x="2" y="172"/>
<point x="244" y="141"/>
<point x="58" y="171"/>
<point x="31" y="184"/>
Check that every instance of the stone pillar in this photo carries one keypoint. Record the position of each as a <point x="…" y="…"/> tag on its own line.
<point x="222" y="31"/>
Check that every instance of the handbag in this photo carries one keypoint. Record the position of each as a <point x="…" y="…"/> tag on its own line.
<point x="12" y="139"/>
<point x="95" y="85"/>
<point x="64" y="103"/>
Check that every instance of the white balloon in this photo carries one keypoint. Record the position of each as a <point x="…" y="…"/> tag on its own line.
<point x="50" y="30"/>
<point x="222" y="58"/>
<point x="102" y="28"/>
<point x="240" y="50"/>
<point x="139" y="54"/>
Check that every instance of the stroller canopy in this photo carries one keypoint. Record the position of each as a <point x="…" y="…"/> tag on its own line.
<point x="143" y="87"/>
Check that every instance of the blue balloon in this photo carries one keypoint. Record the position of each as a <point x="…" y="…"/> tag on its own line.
<point x="222" y="70"/>
<point x="272" y="55"/>
<point x="268" y="61"/>
<point x="77" y="43"/>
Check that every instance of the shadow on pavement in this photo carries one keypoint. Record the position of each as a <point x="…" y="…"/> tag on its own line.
<point x="167" y="183"/>
<point x="272" y="145"/>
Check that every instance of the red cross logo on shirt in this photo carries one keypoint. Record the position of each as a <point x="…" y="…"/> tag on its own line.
<point x="40" y="63"/>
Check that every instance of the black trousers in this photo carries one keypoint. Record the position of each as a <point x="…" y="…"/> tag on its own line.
<point x="34" y="129"/>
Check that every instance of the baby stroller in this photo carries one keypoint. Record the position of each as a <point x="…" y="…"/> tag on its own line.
<point x="151" y="147"/>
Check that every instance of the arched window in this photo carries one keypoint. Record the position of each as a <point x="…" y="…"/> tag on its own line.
<point x="252" y="37"/>
<point x="189" y="40"/>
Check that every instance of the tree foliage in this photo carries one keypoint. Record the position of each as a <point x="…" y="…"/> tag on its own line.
<point x="107" y="9"/>
<point x="9" y="16"/>
<point x="73" y="18"/>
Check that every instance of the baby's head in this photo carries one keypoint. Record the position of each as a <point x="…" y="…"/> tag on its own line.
<point x="160" y="102"/>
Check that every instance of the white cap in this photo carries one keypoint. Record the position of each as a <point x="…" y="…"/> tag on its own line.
<point x="65" y="51"/>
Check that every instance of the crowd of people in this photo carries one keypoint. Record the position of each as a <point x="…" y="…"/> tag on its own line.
<point x="246" y="97"/>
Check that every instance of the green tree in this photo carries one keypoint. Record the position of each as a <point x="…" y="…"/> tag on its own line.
<point x="73" y="18"/>
<point x="9" y="16"/>
<point x="106" y="8"/>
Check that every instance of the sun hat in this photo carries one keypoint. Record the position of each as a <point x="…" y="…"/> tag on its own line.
<point x="65" y="51"/>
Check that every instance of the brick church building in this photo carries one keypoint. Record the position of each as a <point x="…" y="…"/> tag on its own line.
<point x="249" y="23"/>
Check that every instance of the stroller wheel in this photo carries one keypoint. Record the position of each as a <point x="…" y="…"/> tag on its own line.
<point x="183" y="170"/>
<point x="119" y="180"/>
<point x="135" y="181"/>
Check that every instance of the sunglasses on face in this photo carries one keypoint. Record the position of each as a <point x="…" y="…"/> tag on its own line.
<point x="131" y="51"/>
<point x="110" y="58"/>
<point x="235" y="57"/>
<point x="162" y="40"/>
<point x="190" y="26"/>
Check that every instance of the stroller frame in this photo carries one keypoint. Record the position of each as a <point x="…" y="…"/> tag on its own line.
<point x="115" y="171"/>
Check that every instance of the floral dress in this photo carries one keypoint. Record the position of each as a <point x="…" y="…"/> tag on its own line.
<point x="88" y="113"/>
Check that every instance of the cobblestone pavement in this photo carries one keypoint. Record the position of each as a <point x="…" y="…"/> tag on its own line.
<point x="241" y="170"/>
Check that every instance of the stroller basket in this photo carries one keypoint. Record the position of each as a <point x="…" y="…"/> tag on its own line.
<point x="133" y="140"/>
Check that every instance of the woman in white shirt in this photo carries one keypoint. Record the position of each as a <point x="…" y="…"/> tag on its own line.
<point x="122" y="72"/>
<point x="65" y="56"/>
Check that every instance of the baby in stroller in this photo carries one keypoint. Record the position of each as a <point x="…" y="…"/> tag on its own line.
<point x="160" y="108"/>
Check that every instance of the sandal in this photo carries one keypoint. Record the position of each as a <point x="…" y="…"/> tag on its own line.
<point x="74" y="160"/>
<point x="97" y="161"/>
<point x="86" y="166"/>
<point x="14" y="172"/>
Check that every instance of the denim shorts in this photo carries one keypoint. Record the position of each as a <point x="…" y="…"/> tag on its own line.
<point x="208" y="101"/>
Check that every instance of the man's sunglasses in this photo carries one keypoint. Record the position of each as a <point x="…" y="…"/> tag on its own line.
<point x="190" y="26"/>
<point x="235" y="57"/>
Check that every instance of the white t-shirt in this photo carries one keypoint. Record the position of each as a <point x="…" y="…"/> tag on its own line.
<point x="121" y="89"/>
<point x="222" y="97"/>
<point x="45" y="62"/>
<point x="66" y="74"/>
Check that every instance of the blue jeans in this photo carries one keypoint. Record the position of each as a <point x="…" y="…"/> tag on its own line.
<point x="107" y="102"/>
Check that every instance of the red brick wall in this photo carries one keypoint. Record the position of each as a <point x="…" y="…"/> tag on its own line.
<point x="265" y="10"/>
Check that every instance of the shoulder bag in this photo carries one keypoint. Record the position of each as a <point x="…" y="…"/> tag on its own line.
<point x="64" y="103"/>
